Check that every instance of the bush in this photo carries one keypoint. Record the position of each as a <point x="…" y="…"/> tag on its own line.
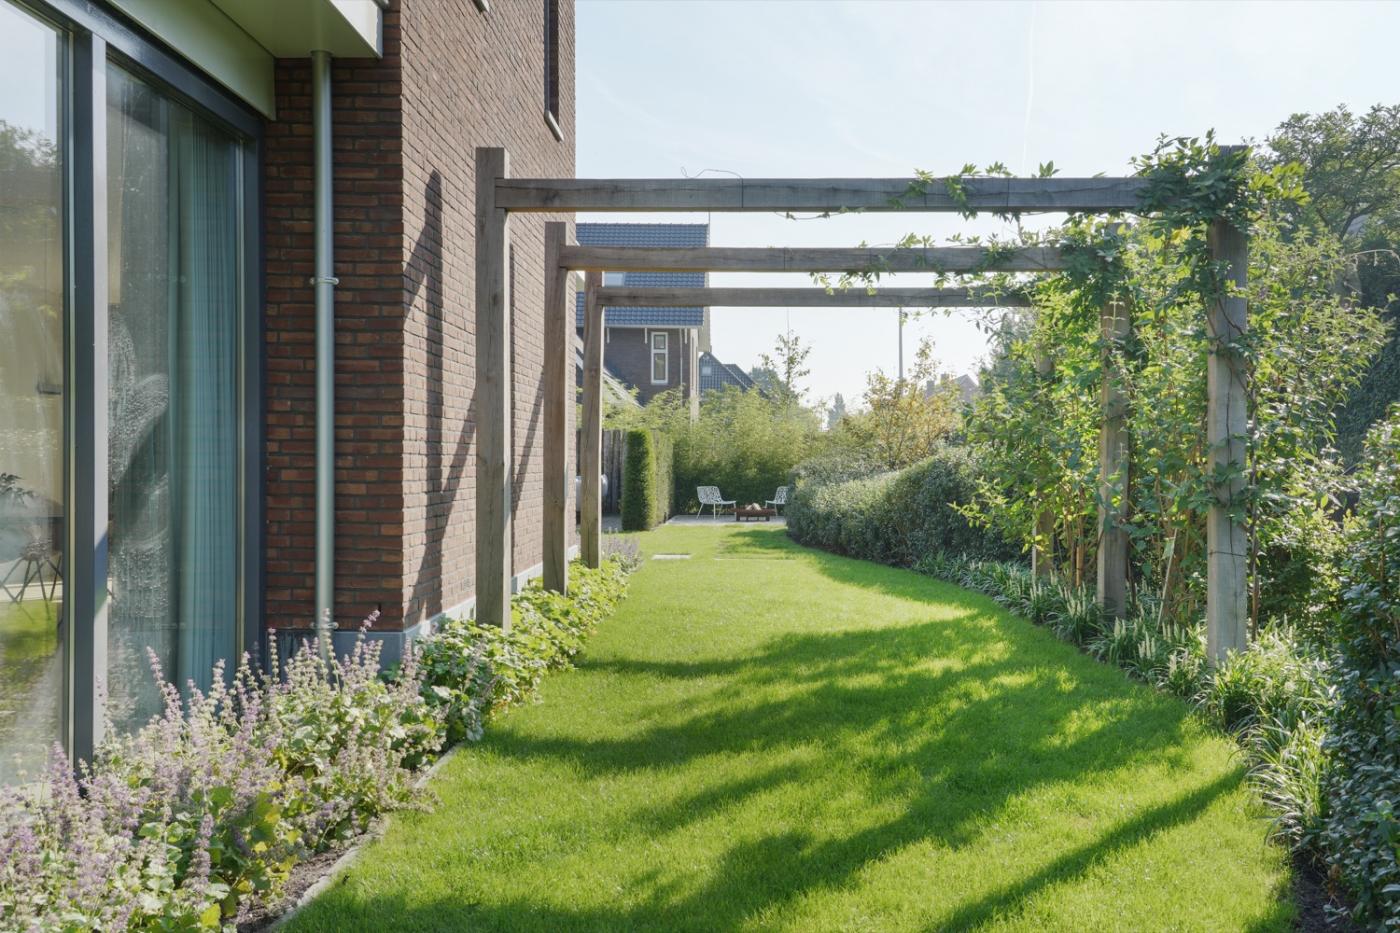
<point x="206" y="809"/>
<point x="471" y="671"/>
<point x="647" y="481"/>
<point x="895" y="518"/>
<point x="835" y="466"/>
<point x="1362" y="833"/>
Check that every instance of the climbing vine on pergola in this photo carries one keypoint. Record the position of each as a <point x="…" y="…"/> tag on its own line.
<point x="1202" y="190"/>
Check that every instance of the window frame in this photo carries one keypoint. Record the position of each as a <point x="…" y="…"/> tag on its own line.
<point x="662" y="352"/>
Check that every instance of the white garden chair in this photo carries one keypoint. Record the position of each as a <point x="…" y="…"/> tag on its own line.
<point x="779" y="498"/>
<point x="709" y="495"/>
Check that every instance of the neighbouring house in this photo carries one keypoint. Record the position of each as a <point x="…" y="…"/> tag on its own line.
<point x="616" y="393"/>
<point x="966" y="386"/>
<point x="160" y="292"/>
<point x="715" y="375"/>
<point x="652" y="349"/>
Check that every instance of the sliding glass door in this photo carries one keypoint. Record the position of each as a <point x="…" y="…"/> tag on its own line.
<point x="129" y="419"/>
<point x="32" y="314"/>
<point x="173" y="394"/>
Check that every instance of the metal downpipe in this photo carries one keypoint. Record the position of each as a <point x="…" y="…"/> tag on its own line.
<point x="324" y="282"/>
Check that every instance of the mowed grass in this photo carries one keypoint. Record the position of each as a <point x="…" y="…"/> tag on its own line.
<point x="771" y="738"/>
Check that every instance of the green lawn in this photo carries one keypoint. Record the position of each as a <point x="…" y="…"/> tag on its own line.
<point x="771" y="738"/>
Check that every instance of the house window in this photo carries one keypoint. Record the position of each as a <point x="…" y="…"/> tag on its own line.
<point x="170" y="410"/>
<point x="551" y="67"/>
<point x="660" y="360"/>
<point x="33" y="317"/>
<point x="173" y="227"/>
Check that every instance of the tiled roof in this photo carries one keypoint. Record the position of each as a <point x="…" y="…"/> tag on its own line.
<point x="716" y="375"/>
<point x="647" y="317"/>
<point x="664" y="279"/>
<point x="674" y="235"/>
<point x="591" y="234"/>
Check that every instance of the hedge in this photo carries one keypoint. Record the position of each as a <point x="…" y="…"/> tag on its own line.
<point x="647" y="485"/>
<point x="894" y="518"/>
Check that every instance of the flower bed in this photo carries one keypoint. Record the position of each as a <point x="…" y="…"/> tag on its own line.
<point x="201" y="815"/>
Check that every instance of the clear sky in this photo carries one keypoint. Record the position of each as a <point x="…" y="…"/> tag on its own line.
<point x="668" y="88"/>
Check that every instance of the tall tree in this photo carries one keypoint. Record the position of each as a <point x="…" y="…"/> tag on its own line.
<point x="1351" y="169"/>
<point x="836" y="412"/>
<point x="903" y="422"/>
<point x="788" y="363"/>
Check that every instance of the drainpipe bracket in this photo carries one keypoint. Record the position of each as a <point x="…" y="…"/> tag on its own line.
<point x="323" y="280"/>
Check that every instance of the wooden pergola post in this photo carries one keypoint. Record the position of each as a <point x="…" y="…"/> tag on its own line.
<point x="1043" y="548"/>
<point x="1115" y="325"/>
<point x="591" y="442"/>
<point x="493" y="393"/>
<point x="558" y="397"/>
<point x="1227" y="426"/>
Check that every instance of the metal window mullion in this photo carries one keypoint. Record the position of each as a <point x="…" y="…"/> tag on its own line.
<point x="86" y="590"/>
<point x="251" y="398"/>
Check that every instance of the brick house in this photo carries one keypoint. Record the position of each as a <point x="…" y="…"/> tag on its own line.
<point x="159" y="451"/>
<point x="652" y="349"/>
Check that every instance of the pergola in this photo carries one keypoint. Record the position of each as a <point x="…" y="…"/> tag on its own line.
<point x="499" y="195"/>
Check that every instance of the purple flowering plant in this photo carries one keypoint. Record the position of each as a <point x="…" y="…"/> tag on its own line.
<point x="204" y="811"/>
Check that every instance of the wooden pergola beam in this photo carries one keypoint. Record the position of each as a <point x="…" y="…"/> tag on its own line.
<point x="820" y="195"/>
<point x="627" y="297"/>
<point x="498" y="195"/>
<point x="950" y="259"/>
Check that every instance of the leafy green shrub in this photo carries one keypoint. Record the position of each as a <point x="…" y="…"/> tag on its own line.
<point x="1362" y="833"/>
<point x="647" y="480"/>
<point x="1289" y="767"/>
<point x="1271" y="682"/>
<point x="835" y="466"/>
<point x="895" y="518"/>
<point x="471" y="671"/>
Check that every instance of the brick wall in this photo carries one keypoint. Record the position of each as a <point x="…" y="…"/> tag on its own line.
<point x="452" y="78"/>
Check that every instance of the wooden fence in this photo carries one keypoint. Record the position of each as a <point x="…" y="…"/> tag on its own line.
<point x="614" y="454"/>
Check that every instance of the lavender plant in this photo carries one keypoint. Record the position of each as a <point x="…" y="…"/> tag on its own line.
<point x="205" y="810"/>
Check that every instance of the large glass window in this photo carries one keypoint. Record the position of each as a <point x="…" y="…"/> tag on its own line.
<point x="174" y="264"/>
<point x="32" y="314"/>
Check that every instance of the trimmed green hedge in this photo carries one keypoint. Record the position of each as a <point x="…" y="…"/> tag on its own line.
<point x="647" y="483"/>
<point x="895" y="518"/>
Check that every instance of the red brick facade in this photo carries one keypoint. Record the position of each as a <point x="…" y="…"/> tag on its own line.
<point x="452" y="78"/>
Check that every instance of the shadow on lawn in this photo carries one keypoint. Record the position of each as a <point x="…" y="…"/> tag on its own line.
<point x="949" y="720"/>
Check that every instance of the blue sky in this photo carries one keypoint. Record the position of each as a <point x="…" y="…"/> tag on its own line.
<point x="794" y="87"/>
